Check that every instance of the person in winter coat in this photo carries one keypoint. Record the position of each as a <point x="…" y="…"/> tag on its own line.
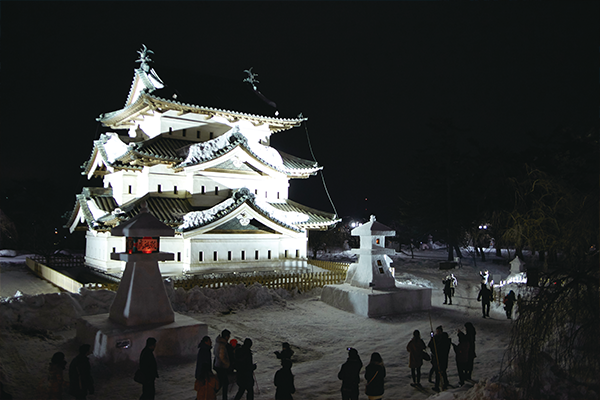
<point x="375" y="374"/>
<point x="222" y="363"/>
<point x="245" y="368"/>
<point x="440" y="345"/>
<point x="470" y="336"/>
<point x="286" y="352"/>
<point x="203" y="359"/>
<point x="485" y="296"/>
<point x="415" y="349"/>
<point x="284" y="381"/>
<point x="56" y="379"/>
<point x="232" y="346"/>
<point x="462" y="357"/>
<point x="509" y="302"/>
<point x="149" y="369"/>
<point x="447" y="290"/>
<point x="350" y="375"/>
<point x="207" y="386"/>
<point x="80" y="374"/>
<point x="453" y="284"/>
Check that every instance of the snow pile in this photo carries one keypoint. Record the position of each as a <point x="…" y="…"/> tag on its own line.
<point x="410" y="279"/>
<point x="207" y="300"/>
<point x="60" y="311"/>
<point x="199" y="218"/>
<point x="53" y="312"/>
<point x="8" y="253"/>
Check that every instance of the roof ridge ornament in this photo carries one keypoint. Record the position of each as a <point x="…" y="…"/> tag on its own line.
<point x="144" y="58"/>
<point x="251" y="79"/>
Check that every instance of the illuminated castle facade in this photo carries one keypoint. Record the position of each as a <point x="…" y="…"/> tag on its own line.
<point x="206" y="171"/>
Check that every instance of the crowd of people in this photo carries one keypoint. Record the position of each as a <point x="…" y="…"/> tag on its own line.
<point x="227" y="363"/>
<point x="485" y="295"/>
<point x="233" y="364"/>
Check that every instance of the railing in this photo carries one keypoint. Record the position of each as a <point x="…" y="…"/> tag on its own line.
<point x="300" y="281"/>
<point x="53" y="276"/>
<point x="330" y="265"/>
<point x="59" y="260"/>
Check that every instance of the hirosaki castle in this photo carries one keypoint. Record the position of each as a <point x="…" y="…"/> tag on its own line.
<point x="196" y="151"/>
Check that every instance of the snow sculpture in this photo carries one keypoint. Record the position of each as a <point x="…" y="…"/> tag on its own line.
<point x="370" y="288"/>
<point x="373" y="267"/>
<point x="516" y="266"/>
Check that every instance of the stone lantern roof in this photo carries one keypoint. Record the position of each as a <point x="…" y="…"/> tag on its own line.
<point x="143" y="224"/>
<point x="373" y="228"/>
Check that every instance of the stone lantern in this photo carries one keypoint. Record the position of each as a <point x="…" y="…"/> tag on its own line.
<point x="370" y="288"/>
<point x="141" y="307"/>
<point x="142" y="298"/>
<point x="373" y="267"/>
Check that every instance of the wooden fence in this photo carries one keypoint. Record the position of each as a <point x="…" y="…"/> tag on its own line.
<point x="336" y="273"/>
<point x="300" y="281"/>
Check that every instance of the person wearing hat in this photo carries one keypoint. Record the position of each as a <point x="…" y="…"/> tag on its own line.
<point x="350" y="375"/>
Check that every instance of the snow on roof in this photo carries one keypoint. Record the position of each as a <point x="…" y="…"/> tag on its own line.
<point x="113" y="146"/>
<point x="206" y="151"/>
<point x="195" y="219"/>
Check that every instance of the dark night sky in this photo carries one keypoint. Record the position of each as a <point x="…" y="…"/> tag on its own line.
<point x="368" y="76"/>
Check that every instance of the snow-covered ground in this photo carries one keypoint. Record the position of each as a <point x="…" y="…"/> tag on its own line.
<point x="35" y="325"/>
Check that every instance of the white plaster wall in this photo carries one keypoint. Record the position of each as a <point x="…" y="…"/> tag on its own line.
<point x="120" y="182"/>
<point x="166" y="178"/>
<point x="208" y="244"/>
<point x="98" y="248"/>
<point x="150" y="125"/>
<point x="186" y="252"/>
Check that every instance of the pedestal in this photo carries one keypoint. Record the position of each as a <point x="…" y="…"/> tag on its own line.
<point x="141" y="298"/>
<point x="115" y="343"/>
<point x="375" y="303"/>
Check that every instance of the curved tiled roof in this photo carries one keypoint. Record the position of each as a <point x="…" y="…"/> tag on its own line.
<point x="172" y="211"/>
<point x="316" y="218"/>
<point x="240" y="197"/>
<point x="168" y="210"/>
<point x="160" y="148"/>
<point x="187" y="91"/>
<point x="291" y="165"/>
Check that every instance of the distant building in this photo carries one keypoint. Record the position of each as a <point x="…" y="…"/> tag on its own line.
<point x="208" y="172"/>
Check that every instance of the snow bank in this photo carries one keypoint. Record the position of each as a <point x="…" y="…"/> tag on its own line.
<point x="207" y="300"/>
<point x="60" y="311"/>
<point x="53" y="312"/>
<point x="8" y="253"/>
